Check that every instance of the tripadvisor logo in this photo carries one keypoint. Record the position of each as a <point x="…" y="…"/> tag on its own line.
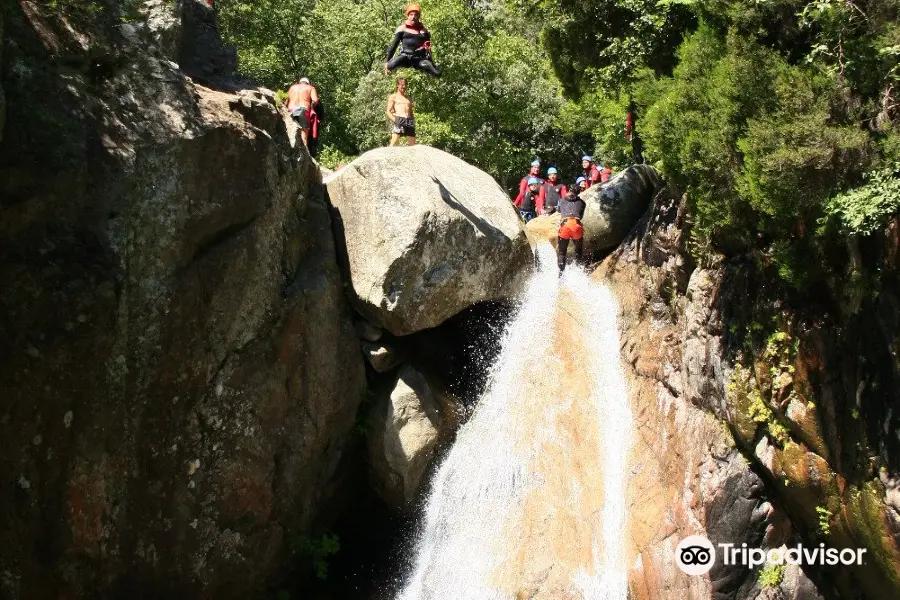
<point x="696" y="555"/>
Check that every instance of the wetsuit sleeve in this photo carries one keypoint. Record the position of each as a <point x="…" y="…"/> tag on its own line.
<point x="539" y="205"/>
<point x="563" y="190"/>
<point x="595" y="175"/>
<point x="398" y="35"/>
<point x="522" y="186"/>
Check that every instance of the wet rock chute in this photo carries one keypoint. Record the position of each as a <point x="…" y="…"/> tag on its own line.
<point x="530" y="501"/>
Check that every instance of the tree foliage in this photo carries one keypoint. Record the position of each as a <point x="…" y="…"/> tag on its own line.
<point x="496" y="104"/>
<point x="773" y="115"/>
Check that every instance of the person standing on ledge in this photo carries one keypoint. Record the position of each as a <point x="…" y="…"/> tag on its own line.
<point x="400" y="113"/>
<point x="533" y="172"/>
<point x="301" y="98"/>
<point x="528" y="205"/>
<point x="414" y="41"/>
<point x="571" y="209"/>
<point x="552" y="191"/>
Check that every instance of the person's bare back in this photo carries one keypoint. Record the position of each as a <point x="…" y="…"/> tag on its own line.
<point x="302" y="95"/>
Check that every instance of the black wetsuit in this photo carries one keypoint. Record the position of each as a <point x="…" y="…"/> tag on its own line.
<point x="553" y="193"/>
<point x="528" y="208"/>
<point x="411" y="39"/>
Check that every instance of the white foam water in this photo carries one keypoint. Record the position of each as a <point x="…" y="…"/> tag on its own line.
<point x="530" y="501"/>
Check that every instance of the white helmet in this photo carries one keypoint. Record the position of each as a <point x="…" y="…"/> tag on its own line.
<point x="304" y="80"/>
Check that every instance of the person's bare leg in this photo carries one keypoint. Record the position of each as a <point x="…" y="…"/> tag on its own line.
<point x="411" y="140"/>
<point x="395" y="137"/>
<point x="304" y="135"/>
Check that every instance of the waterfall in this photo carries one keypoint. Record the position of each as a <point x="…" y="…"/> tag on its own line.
<point x="530" y="501"/>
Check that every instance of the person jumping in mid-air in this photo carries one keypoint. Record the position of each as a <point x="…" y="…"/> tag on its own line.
<point x="571" y="209"/>
<point x="414" y="41"/>
<point x="400" y="114"/>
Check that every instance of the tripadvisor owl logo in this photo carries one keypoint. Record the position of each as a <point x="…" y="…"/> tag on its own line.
<point x="695" y="555"/>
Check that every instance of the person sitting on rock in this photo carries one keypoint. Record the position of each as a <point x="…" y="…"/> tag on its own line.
<point x="528" y="206"/>
<point x="301" y="98"/>
<point x="591" y="172"/>
<point x="414" y="41"/>
<point x="571" y="209"/>
<point x="400" y="113"/>
<point x="605" y="174"/>
<point x="552" y="191"/>
<point x="534" y="172"/>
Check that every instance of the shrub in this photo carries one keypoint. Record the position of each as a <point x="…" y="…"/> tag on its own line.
<point x="865" y="209"/>
<point x="771" y="576"/>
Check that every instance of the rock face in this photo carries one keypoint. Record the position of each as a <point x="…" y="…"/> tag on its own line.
<point x="180" y="372"/>
<point x="754" y="454"/>
<point x="688" y="474"/>
<point x="612" y="210"/>
<point x="405" y="432"/>
<point x="427" y="235"/>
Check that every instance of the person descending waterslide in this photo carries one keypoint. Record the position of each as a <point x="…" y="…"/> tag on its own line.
<point x="571" y="209"/>
<point x="414" y="41"/>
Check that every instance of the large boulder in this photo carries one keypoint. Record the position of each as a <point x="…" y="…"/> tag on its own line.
<point x="180" y="373"/>
<point x="426" y="235"/>
<point x="612" y="210"/>
<point x="406" y="429"/>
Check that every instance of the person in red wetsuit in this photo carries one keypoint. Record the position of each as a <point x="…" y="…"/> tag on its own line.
<point x="414" y="41"/>
<point x="605" y="174"/>
<point x="591" y="172"/>
<point x="535" y="172"/>
<point x="552" y="191"/>
<point x="571" y="209"/>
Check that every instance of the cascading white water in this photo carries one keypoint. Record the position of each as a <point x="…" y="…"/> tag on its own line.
<point x="530" y="501"/>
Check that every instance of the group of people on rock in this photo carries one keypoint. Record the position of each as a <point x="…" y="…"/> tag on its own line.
<point x="537" y="195"/>
<point x="546" y="196"/>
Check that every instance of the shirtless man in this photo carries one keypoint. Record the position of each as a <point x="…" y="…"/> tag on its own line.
<point x="400" y="113"/>
<point x="300" y="99"/>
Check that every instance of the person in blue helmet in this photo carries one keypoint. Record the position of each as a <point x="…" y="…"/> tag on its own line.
<point x="528" y="206"/>
<point x="535" y="171"/>
<point x="592" y="174"/>
<point x="581" y="184"/>
<point x="552" y="191"/>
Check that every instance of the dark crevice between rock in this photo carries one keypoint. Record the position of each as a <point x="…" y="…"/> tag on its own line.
<point x="373" y="541"/>
<point x="462" y="350"/>
<point x="376" y="544"/>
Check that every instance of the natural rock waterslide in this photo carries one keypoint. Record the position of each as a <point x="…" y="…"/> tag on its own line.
<point x="530" y="502"/>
